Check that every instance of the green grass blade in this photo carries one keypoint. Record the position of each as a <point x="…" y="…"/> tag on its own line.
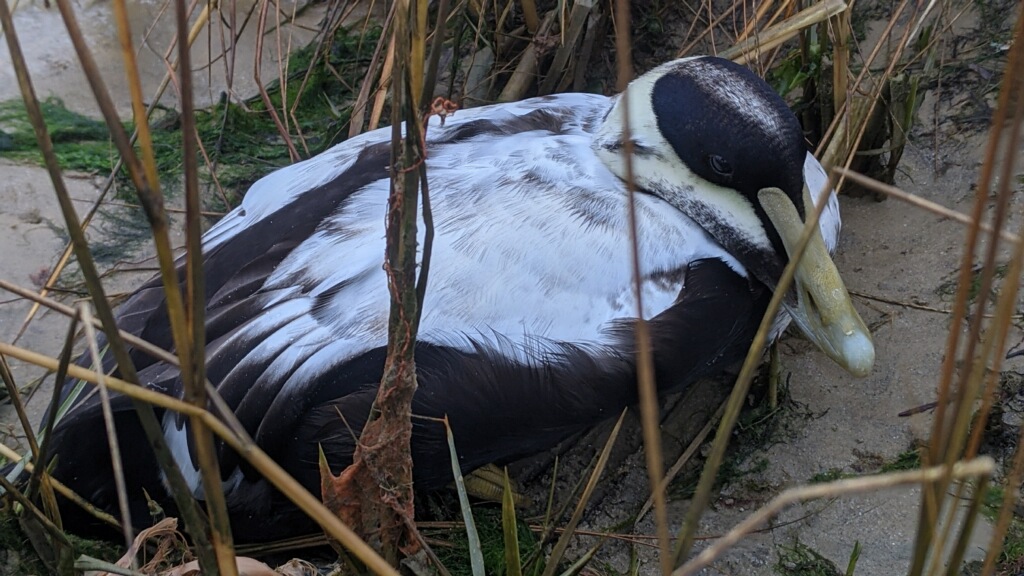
<point x="854" y="556"/>
<point x="476" y="554"/>
<point x="510" y="527"/>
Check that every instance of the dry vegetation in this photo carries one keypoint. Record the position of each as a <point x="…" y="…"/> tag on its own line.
<point x="852" y="93"/>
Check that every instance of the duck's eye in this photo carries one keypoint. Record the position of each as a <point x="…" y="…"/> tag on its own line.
<point x="720" y="165"/>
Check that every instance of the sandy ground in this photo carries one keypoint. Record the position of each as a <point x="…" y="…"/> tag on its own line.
<point x="833" y="421"/>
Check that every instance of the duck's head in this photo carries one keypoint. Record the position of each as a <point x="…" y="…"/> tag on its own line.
<point x="715" y="141"/>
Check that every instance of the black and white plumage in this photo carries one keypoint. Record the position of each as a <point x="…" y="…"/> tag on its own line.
<point x="525" y="335"/>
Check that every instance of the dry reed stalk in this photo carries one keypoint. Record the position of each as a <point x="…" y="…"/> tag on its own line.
<point x="691" y="449"/>
<point x="37" y="477"/>
<point x="193" y="370"/>
<point x="951" y="430"/>
<point x="841" y="119"/>
<point x="111" y="430"/>
<point x="980" y="467"/>
<point x="751" y="24"/>
<point x="570" y="527"/>
<point x="131" y="68"/>
<point x="57" y="535"/>
<point x="648" y="392"/>
<point x="530" y="15"/>
<point x="923" y="203"/>
<point x="738" y="396"/>
<point x="840" y="27"/>
<point x="774" y="36"/>
<point x="380" y="97"/>
<point x="706" y="31"/>
<point x="581" y="10"/>
<point x="355" y="125"/>
<point x="702" y="494"/>
<point x="526" y="71"/>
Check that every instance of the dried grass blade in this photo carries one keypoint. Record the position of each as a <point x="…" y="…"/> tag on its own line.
<point x="950" y="430"/>
<point x="691" y="449"/>
<point x="49" y="502"/>
<point x="131" y="68"/>
<point x="92" y="565"/>
<point x="840" y="26"/>
<point x="36" y="519"/>
<point x="583" y="561"/>
<point x="1006" y="509"/>
<point x="981" y="467"/>
<point x="738" y="396"/>
<point x="37" y="477"/>
<point x="526" y="71"/>
<point x="570" y="527"/>
<point x="19" y="406"/>
<point x="577" y="19"/>
<point x="645" y="360"/>
<point x="774" y="36"/>
<point x="362" y="99"/>
<point x="384" y="84"/>
<point x="919" y="202"/>
<point x="193" y="371"/>
<point x="264" y="95"/>
<point x="162" y="528"/>
<point x="65" y="256"/>
<point x="956" y="559"/>
<point x="436" y="46"/>
<point x="111" y="430"/>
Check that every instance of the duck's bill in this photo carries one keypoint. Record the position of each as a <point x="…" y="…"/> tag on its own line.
<point x="822" y="307"/>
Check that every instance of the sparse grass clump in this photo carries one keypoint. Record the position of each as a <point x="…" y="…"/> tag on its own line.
<point x="240" y="138"/>
<point x="452" y="546"/>
<point x="1011" y="558"/>
<point x="17" y="557"/>
<point x="81" y="143"/>
<point x="802" y="560"/>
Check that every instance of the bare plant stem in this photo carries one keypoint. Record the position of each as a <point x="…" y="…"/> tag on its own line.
<point x="108" y="423"/>
<point x="644" y="358"/>
<point x="194" y="370"/>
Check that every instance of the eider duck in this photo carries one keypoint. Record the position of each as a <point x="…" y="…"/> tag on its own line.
<point x="526" y="331"/>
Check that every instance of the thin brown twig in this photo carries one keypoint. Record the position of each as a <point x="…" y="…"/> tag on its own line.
<point x="739" y="392"/>
<point x="193" y="372"/>
<point x="691" y="449"/>
<point x="264" y="95"/>
<point x="919" y="202"/>
<point x="915" y="305"/>
<point x="570" y="527"/>
<point x="644" y="357"/>
<point x="980" y="467"/>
